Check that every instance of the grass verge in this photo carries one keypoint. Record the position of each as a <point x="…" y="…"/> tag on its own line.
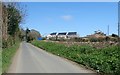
<point x="0" y="60"/>
<point x="7" y="55"/>
<point x="104" y="61"/>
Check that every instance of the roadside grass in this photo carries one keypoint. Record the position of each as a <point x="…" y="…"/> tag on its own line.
<point x="104" y="61"/>
<point x="7" y="55"/>
<point x="0" y="60"/>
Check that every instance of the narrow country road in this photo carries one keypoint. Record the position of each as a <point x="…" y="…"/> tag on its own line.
<point x="30" y="59"/>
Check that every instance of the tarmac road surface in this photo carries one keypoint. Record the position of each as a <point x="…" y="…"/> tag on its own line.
<point x="30" y="59"/>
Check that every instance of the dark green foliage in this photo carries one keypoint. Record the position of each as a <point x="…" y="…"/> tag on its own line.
<point x="93" y="39"/>
<point x="105" y="60"/>
<point x="27" y="35"/>
<point x="14" y="18"/>
<point x="114" y="35"/>
<point x="4" y="44"/>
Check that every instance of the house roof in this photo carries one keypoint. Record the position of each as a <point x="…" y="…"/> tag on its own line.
<point x="72" y="33"/>
<point x="64" y="33"/>
<point x="53" y="33"/>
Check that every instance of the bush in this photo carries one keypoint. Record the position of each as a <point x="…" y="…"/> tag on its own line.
<point x="93" y="39"/>
<point x="100" y="39"/>
<point x="4" y="44"/>
<point x="78" y="39"/>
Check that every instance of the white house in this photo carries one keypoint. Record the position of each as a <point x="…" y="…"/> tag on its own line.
<point x="62" y="35"/>
<point x="72" y="35"/>
<point x="52" y="35"/>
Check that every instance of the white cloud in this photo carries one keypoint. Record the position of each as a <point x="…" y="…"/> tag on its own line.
<point x="66" y="17"/>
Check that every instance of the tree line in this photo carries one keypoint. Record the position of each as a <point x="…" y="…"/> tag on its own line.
<point x="12" y="17"/>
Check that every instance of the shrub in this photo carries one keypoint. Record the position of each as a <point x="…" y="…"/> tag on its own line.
<point x="93" y="39"/>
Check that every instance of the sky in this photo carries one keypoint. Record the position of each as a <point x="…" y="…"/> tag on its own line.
<point x="81" y="17"/>
<point x="60" y="0"/>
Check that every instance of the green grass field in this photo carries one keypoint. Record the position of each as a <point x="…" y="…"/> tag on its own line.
<point x="104" y="61"/>
<point x="7" y="55"/>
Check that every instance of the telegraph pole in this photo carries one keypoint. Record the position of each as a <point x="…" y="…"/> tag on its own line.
<point x="119" y="23"/>
<point x="118" y="33"/>
<point x="108" y="30"/>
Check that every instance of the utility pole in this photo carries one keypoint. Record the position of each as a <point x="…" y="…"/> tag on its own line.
<point x="118" y="33"/>
<point x="119" y="23"/>
<point x="118" y="29"/>
<point x="108" y="30"/>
